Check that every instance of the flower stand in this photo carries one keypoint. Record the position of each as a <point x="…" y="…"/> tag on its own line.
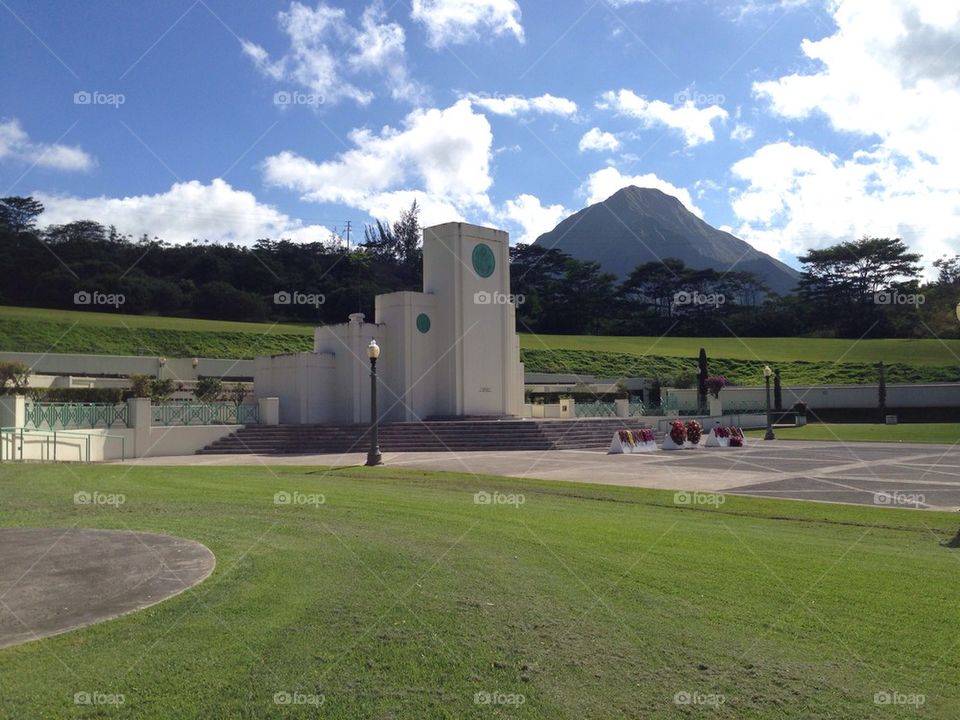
<point x="632" y="441"/>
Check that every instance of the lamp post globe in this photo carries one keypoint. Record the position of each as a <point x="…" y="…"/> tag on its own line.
<point x="373" y="454"/>
<point x="767" y="372"/>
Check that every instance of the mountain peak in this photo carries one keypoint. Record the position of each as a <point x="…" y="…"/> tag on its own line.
<point x="638" y="225"/>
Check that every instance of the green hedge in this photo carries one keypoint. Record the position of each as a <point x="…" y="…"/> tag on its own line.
<point x="79" y="395"/>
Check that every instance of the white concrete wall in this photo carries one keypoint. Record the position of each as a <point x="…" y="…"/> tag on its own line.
<point x="839" y="396"/>
<point x="71" y="446"/>
<point x="347" y="344"/>
<point x="68" y="446"/>
<point x="478" y="369"/>
<point x="305" y="384"/>
<point x="180" y="369"/>
<point x="407" y="367"/>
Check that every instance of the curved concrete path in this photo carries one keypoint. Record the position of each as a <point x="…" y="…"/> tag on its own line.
<point x="57" y="579"/>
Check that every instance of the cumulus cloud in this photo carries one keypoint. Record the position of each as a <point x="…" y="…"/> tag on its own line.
<point x="514" y="105"/>
<point x="797" y="198"/>
<point x="694" y="122"/>
<point x="453" y="22"/>
<point x="15" y="144"/>
<point x="603" y="183"/>
<point x="441" y="157"/>
<point x="597" y="139"/>
<point x="741" y="132"/>
<point x="325" y="49"/>
<point x="187" y="211"/>
<point x="380" y="48"/>
<point x="888" y="75"/>
<point x="532" y="216"/>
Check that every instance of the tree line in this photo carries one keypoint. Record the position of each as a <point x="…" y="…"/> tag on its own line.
<point x="862" y="288"/>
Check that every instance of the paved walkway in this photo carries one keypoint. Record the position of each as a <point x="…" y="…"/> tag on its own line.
<point x="901" y="475"/>
<point x="57" y="579"/>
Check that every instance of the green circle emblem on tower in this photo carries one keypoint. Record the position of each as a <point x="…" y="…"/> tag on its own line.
<point x="423" y="322"/>
<point x="484" y="261"/>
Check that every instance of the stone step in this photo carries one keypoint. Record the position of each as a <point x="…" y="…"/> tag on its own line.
<point x="428" y="436"/>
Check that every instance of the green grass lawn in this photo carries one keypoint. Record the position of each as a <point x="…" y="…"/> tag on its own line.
<point x="801" y="360"/>
<point x="864" y="432"/>
<point x="912" y="352"/>
<point x="401" y="598"/>
<point x="64" y="331"/>
<point x="148" y="322"/>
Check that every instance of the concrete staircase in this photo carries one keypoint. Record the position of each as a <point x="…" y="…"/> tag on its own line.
<point x="428" y="436"/>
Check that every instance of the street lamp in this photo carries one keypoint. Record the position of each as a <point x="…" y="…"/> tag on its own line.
<point x="373" y="455"/>
<point x="767" y="372"/>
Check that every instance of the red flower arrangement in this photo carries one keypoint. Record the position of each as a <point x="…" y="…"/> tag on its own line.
<point x="678" y="432"/>
<point x="736" y="441"/>
<point x="646" y="435"/>
<point x="721" y="431"/>
<point x="715" y="383"/>
<point x="736" y="432"/>
<point x="694" y="431"/>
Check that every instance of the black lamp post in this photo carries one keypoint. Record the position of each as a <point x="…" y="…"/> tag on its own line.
<point x="373" y="455"/>
<point x="767" y="372"/>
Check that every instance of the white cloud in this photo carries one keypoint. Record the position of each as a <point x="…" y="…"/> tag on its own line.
<point x="798" y="198"/>
<point x="441" y="157"/>
<point x="452" y="22"/>
<point x="325" y="48"/>
<point x="603" y="183"/>
<point x="532" y="216"/>
<point x="741" y="132"/>
<point x="597" y="139"/>
<point x="514" y="105"/>
<point x="694" y="122"/>
<point x="15" y="144"/>
<point x="380" y="47"/>
<point x="888" y="75"/>
<point x="187" y="211"/>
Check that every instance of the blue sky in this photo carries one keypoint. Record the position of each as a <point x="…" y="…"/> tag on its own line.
<point x="794" y="123"/>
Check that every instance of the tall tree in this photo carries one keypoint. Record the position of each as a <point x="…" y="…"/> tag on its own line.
<point x="20" y="213"/>
<point x="841" y="282"/>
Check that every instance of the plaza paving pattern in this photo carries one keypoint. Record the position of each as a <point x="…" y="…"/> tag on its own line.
<point x="896" y="475"/>
<point x="57" y="579"/>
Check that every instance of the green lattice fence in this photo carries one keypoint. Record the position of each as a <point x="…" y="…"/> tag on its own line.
<point x="216" y="413"/>
<point x="596" y="409"/>
<point x="53" y="416"/>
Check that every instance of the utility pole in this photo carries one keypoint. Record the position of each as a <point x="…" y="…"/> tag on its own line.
<point x="348" y="235"/>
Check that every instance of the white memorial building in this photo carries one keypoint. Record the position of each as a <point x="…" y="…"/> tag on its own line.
<point x="449" y="351"/>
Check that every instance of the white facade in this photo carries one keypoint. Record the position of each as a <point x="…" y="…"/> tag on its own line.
<point x="449" y="351"/>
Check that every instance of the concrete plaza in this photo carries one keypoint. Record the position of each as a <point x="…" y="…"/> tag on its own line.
<point x="885" y="474"/>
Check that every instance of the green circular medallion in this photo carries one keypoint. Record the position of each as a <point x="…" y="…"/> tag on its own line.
<point x="484" y="261"/>
<point x="423" y="322"/>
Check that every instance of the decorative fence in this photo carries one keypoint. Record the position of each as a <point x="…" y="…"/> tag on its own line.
<point x="636" y="409"/>
<point x="596" y="409"/>
<point x="48" y="442"/>
<point x="670" y="406"/>
<point x="54" y="416"/>
<point x="215" y="413"/>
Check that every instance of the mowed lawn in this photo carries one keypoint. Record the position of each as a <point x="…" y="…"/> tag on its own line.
<point x="147" y="322"/>
<point x="864" y="432"/>
<point x="789" y="349"/>
<point x="400" y="597"/>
